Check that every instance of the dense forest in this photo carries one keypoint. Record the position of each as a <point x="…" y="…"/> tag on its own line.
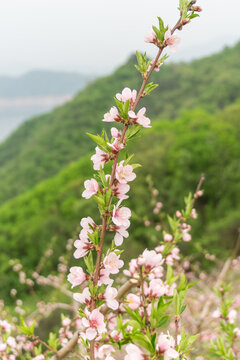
<point x="196" y="129"/>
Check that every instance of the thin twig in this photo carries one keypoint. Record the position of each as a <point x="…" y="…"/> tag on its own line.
<point x="220" y="279"/>
<point x="142" y="294"/>
<point x="176" y="330"/>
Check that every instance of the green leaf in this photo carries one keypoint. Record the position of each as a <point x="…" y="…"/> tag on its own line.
<point x="150" y="87"/>
<point x="161" y="23"/>
<point x="178" y="299"/>
<point x="108" y="196"/>
<point x="119" y="104"/>
<point x="162" y="321"/>
<point x="135" y="166"/>
<point x="182" y="309"/>
<point x="193" y="15"/>
<point x="125" y="109"/>
<point x="135" y="316"/>
<point x="28" y="330"/>
<point x="133" y="131"/>
<point x="100" y="142"/>
<point x="134" y="324"/>
<point x="128" y="159"/>
<point x="139" y="58"/>
<point x="157" y="32"/>
<point x="183" y="282"/>
<point x="53" y="341"/>
<point x="89" y="264"/>
<point x="143" y="341"/>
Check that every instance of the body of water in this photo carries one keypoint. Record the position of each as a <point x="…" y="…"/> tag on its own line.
<point x="13" y="112"/>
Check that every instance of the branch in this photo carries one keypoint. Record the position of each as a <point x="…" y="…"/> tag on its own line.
<point x="73" y="342"/>
<point x="112" y="178"/>
<point x="220" y="279"/>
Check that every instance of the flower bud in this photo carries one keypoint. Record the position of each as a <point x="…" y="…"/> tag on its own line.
<point x="196" y="8"/>
<point x="185" y="21"/>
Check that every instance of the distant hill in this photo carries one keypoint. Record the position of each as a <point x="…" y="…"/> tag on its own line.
<point x="41" y="83"/>
<point x="44" y="145"/>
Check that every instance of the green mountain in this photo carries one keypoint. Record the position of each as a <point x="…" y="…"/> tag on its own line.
<point x="41" y="147"/>
<point x="174" y="153"/>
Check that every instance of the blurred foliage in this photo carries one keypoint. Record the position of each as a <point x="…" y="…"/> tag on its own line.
<point x="42" y="146"/>
<point x="174" y="153"/>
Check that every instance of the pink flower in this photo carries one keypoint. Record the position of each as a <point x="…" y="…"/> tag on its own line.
<point x="115" y="133"/>
<point x="133" y="353"/>
<point x="186" y="236"/>
<point x="121" y="233"/>
<point x="104" y="351"/>
<point x="194" y="214"/>
<point x="120" y="216"/>
<point x="3" y="347"/>
<point x="76" y="276"/>
<point x="165" y="345"/>
<point x="171" y="354"/>
<point x="133" y="269"/>
<point x="116" y="336"/>
<point x="150" y="259"/>
<point x="174" y="255"/>
<point x="216" y="314"/>
<point x="87" y="225"/>
<point x="157" y="66"/>
<point x="91" y="188"/>
<point x="39" y="357"/>
<point x="11" y="342"/>
<point x="124" y="173"/>
<point x="66" y="322"/>
<point x="168" y="237"/>
<point x="95" y="324"/>
<point x="99" y="159"/>
<point x="83" y="247"/>
<point x="109" y="295"/>
<point x="84" y="297"/>
<point x="237" y="332"/>
<point x="5" y="326"/>
<point x="133" y="301"/>
<point x="169" y="290"/>
<point x="116" y="146"/>
<point x="178" y="214"/>
<point x="156" y="288"/>
<point x="140" y="118"/>
<point x="198" y="194"/>
<point x="127" y="94"/>
<point x="151" y="37"/>
<point x="119" y="190"/>
<point x="232" y="315"/>
<point x="109" y="357"/>
<point x="112" y="115"/>
<point x="156" y="272"/>
<point x="171" y="40"/>
<point x="104" y="277"/>
<point x="112" y="263"/>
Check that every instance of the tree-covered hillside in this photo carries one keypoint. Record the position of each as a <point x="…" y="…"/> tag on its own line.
<point x="44" y="145"/>
<point x="180" y="151"/>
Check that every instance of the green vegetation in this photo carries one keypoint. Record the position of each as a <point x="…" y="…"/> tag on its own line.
<point x="41" y="147"/>
<point x="180" y="151"/>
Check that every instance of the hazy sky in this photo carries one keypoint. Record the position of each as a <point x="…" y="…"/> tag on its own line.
<point x="98" y="35"/>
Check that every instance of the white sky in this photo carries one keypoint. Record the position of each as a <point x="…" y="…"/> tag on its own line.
<point x="98" y="35"/>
